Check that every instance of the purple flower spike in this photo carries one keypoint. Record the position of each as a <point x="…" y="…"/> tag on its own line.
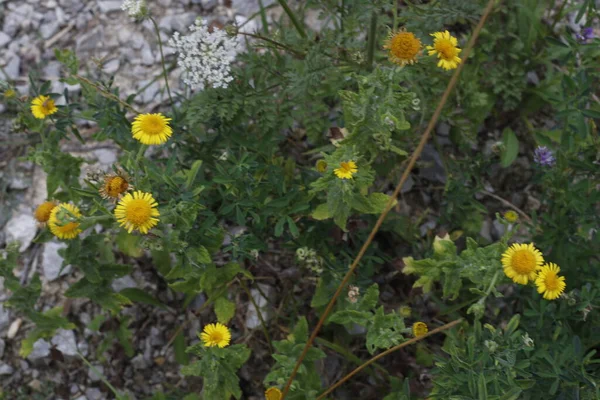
<point x="586" y="34"/>
<point x="543" y="157"/>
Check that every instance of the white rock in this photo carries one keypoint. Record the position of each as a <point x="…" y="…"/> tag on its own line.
<point x="6" y="369"/>
<point x="252" y="320"/>
<point x="105" y="156"/>
<point x="4" y="317"/>
<point x="111" y="66"/>
<point x="14" y="328"/>
<point x="49" y="28"/>
<point x="52" y="261"/>
<point x="64" y="340"/>
<point x="248" y="7"/>
<point x="124" y="282"/>
<point x="4" y="39"/>
<point x="52" y="70"/>
<point x="150" y="92"/>
<point x="93" y="376"/>
<point x="21" y="228"/>
<point x="41" y="349"/>
<point x="94" y="394"/>
<point x="147" y="57"/>
<point x="12" y="68"/>
<point x="91" y="40"/>
<point x="107" y="6"/>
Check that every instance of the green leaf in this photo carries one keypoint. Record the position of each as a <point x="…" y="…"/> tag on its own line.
<point x="129" y="244"/>
<point x="181" y="356"/>
<point x="482" y="387"/>
<point x="192" y="173"/>
<point x="293" y="227"/>
<point x="135" y="294"/>
<point x="321" y="212"/>
<point x="279" y="227"/>
<point x="510" y="147"/>
<point x="224" y="309"/>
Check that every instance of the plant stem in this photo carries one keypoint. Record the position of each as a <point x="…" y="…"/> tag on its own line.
<point x="293" y="18"/>
<point x="162" y="61"/>
<point x="276" y="43"/>
<point x="388" y="351"/>
<point x="260" y="317"/>
<point x="106" y="93"/>
<point x="372" y="40"/>
<point x="411" y="163"/>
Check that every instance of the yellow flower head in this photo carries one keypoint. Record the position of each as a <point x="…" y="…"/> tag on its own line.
<point x="64" y="221"/>
<point x="10" y="93"/>
<point x="521" y="262"/>
<point x="42" y="106"/>
<point x="419" y="329"/>
<point x="403" y="47"/>
<point x="511" y="216"/>
<point x="137" y="211"/>
<point x="346" y="170"/>
<point x="273" y="393"/>
<point x="215" y="335"/>
<point x="151" y="128"/>
<point x="445" y="46"/>
<point x="549" y="283"/>
<point x="405" y="311"/>
<point x="115" y="185"/>
<point x="321" y="166"/>
<point x="42" y="212"/>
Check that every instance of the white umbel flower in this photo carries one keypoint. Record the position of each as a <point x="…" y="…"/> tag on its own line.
<point x="135" y="8"/>
<point x="205" y="56"/>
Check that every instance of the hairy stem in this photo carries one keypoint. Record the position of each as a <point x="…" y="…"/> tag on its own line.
<point x="162" y="62"/>
<point x="293" y="18"/>
<point x="372" y="40"/>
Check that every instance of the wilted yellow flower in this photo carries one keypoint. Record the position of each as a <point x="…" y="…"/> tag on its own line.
<point x="405" y="311"/>
<point x="549" y="283"/>
<point x="42" y="212"/>
<point x="521" y="262"/>
<point x="273" y="393"/>
<point x="115" y="184"/>
<point x="42" y="106"/>
<point x="64" y="221"/>
<point x="137" y="211"/>
<point x="151" y="128"/>
<point x="403" y="47"/>
<point x="445" y="46"/>
<point x="419" y="329"/>
<point x="511" y="216"/>
<point x="321" y="166"/>
<point x="215" y="335"/>
<point x="346" y="170"/>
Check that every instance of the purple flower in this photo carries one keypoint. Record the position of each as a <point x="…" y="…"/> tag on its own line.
<point x="586" y="34"/>
<point x="543" y="157"/>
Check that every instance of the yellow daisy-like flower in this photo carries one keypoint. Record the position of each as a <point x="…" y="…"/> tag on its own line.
<point x="521" y="262"/>
<point x="419" y="329"/>
<point x="273" y="393"/>
<point x="42" y="106"/>
<point x="215" y="335"/>
<point x="549" y="283"/>
<point x="403" y="47"/>
<point x="445" y="46"/>
<point x="64" y="221"/>
<point x="511" y="216"/>
<point x="151" y="128"/>
<point x="321" y="166"/>
<point x="137" y="211"/>
<point x="42" y="212"/>
<point x="115" y="185"/>
<point x="346" y="170"/>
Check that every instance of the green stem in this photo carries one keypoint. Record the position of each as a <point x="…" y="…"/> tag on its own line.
<point x="162" y="61"/>
<point x="394" y="14"/>
<point x="293" y="18"/>
<point x="276" y="43"/>
<point x="372" y="40"/>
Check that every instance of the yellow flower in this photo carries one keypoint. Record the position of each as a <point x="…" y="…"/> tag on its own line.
<point x="42" y="212"/>
<point x="419" y="329"/>
<point x="42" y="106"/>
<point x="403" y="47"/>
<point x="64" y="221"/>
<point x="511" y="216"/>
<point x="273" y="393"/>
<point x="521" y="262"/>
<point x="321" y="166"/>
<point x="115" y="185"/>
<point x="445" y="46"/>
<point x="346" y="170"/>
<point x="215" y="335"/>
<point x="151" y="128"/>
<point x="405" y="311"/>
<point x="137" y="211"/>
<point x="549" y="283"/>
<point x="10" y="93"/>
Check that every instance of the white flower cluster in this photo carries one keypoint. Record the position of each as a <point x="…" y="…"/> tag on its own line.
<point x="135" y="8"/>
<point x="205" y="56"/>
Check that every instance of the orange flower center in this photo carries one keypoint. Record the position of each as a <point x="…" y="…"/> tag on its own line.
<point x="446" y="49"/>
<point x="152" y="125"/>
<point x="115" y="185"/>
<point x="42" y="213"/>
<point x="523" y="261"/>
<point x="552" y="282"/>
<point x="405" y="45"/>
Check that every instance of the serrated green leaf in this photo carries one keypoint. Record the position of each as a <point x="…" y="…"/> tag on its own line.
<point x="224" y="309"/>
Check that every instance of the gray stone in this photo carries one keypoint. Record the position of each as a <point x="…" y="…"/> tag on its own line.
<point x="41" y="349"/>
<point x="64" y="340"/>
<point x="138" y="362"/>
<point x="107" y="6"/>
<point x="49" y="28"/>
<point x="6" y="369"/>
<point x="124" y="282"/>
<point x="252" y="319"/>
<point x="93" y="376"/>
<point x="206" y="5"/>
<point x="2" y="347"/>
<point x="105" y="156"/>
<point x="91" y="40"/>
<point x="499" y="229"/>
<point x="12" y="68"/>
<point x="150" y="92"/>
<point x="147" y="57"/>
<point x="21" y="228"/>
<point x="486" y="230"/>
<point x="177" y="22"/>
<point x="4" y="39"/>
<point x="111" y="66"/>
<point x="248" y="7"/>
<point x="52" y="70"/>
<point x="52" y="261"/>
<point x="94" y="394"/>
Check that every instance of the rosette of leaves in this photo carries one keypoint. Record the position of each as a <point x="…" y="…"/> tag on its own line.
<point x="383" y="330"/>
<point x="344" y="196"/>
<point x="375" y="116"/>
<point x="218" y="367"/>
